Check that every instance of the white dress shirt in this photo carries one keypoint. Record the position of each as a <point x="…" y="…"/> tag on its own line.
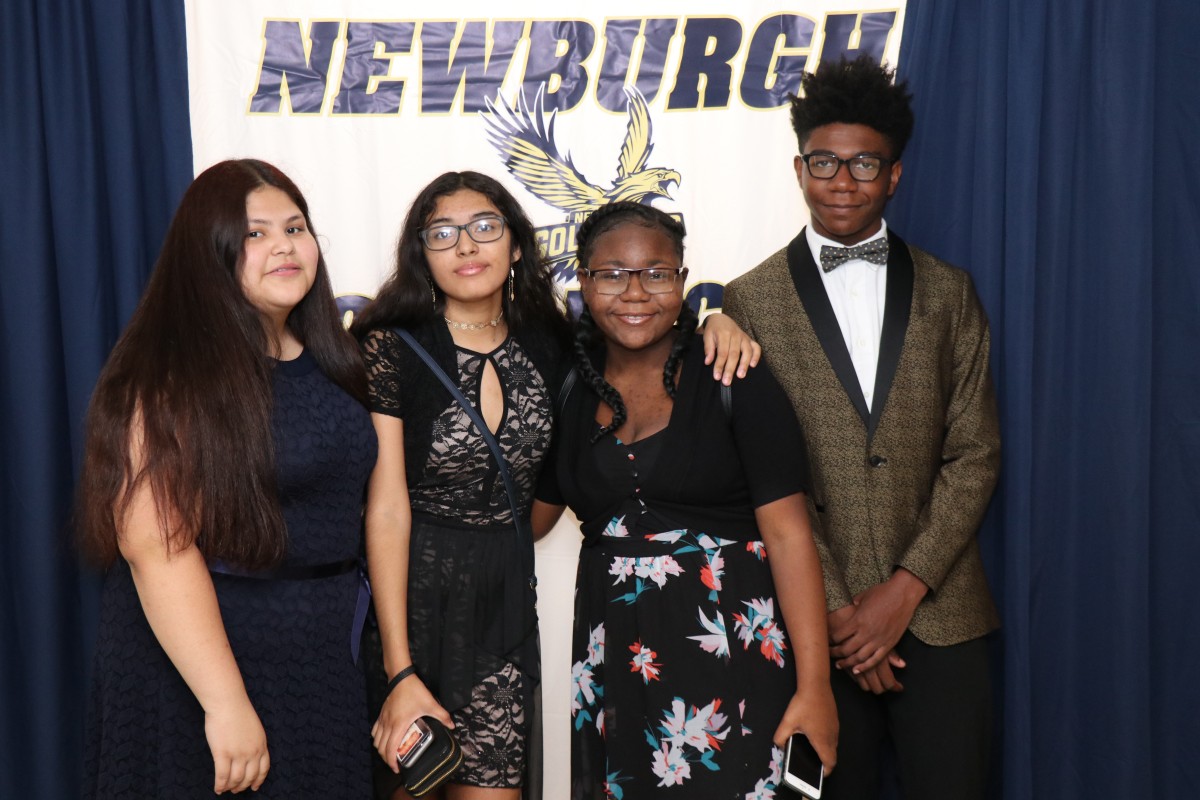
<point x="856" y="291"/>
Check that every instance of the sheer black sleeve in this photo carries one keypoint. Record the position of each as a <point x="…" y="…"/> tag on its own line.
<point x="382" y="354"/>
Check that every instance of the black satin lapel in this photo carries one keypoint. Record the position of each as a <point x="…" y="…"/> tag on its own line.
<point x="824" y="322"/>
<point x="897" y="306"/>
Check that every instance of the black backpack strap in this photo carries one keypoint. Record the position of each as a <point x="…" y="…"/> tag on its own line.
<point x="567" y="384"/>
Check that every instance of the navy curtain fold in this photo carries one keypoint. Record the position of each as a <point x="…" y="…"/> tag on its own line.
<point x="95" y="151"/>
<point x="1174" y="478"/>
<point x="1053" y="158"/>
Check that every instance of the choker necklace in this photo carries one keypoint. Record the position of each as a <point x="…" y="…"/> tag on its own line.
<point x="475" y="326"/>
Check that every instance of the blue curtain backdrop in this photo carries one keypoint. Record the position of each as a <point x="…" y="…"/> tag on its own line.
<point x="95" y="151"/>
<point x="1053" y="158"/>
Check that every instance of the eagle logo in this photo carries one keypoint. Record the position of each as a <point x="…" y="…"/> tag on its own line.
<point x="525" y="139"/>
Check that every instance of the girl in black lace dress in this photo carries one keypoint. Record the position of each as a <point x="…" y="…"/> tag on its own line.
<point x="227" y="452"/>
<point x="449" y="572"/>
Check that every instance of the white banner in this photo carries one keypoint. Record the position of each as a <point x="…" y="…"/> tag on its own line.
<point x="681" y="105"/>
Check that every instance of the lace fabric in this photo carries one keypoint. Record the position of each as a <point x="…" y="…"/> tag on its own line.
<point x="146" y="734"/>
<point x="456" y="477"/>
<point x="472" y="624"/>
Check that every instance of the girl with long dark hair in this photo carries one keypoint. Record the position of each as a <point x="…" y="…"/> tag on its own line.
<point x="449" y="568"/>
<point x="227" y="452"/>
<point x="699" y="642"/>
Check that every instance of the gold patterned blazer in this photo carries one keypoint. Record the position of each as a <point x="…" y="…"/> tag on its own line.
<point x="907" y="484"/>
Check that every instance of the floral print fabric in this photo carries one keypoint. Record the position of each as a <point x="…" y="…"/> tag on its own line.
<point x="682" y="669"/>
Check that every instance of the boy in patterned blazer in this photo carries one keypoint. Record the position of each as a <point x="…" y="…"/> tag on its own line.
<point x="883" y="350"/>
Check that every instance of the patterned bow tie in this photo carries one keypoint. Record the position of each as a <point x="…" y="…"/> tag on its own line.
<point x="875" y="251"/>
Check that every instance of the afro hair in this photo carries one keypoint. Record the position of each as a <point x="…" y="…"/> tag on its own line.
<point x="858" y="92"/>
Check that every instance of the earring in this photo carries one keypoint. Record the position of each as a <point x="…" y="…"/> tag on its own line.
<point x="512" y="279"/>
<point x="432" y="293"/>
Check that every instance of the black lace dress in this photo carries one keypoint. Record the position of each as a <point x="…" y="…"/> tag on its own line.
<point x="472" y="626"/>
<point x="291" y="638"/>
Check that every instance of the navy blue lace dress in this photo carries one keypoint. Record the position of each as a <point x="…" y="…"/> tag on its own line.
<point x="291" y="637"/>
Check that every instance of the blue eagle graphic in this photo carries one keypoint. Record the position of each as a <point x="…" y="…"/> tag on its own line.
<point x="524" y="137"/>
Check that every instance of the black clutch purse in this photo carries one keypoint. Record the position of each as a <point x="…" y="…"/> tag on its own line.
<point x="434" y="766"/>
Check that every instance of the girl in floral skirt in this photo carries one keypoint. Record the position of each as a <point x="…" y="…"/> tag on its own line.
<point x="700" y="638"/>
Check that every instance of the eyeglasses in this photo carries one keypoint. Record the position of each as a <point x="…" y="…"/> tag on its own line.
<point x="481" y="231"/>
<point x="654" y="280"/>
<point x="862" y="168"/>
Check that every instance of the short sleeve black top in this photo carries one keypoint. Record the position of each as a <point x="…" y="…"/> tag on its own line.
<point x="708" y="470"/>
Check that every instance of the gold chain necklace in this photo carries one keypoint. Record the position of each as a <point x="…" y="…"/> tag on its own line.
<point x="475" y="326"/>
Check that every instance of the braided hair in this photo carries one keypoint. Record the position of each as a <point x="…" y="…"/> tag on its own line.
<point x="587" y="336"/>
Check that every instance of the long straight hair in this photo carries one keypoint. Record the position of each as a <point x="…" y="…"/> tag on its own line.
<point x="407" y="298"/>
<point x="188" y="386"/>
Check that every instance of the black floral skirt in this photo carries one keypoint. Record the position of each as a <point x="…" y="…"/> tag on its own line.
<point x="682" y="669"/>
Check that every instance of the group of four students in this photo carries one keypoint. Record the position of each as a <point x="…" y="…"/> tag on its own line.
<point x="239" y="444"/>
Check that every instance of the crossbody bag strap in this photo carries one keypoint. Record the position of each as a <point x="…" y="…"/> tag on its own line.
<point x="492" y="444"/>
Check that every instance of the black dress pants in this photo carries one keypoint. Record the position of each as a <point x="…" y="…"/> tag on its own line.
<point x="939" y="727"/>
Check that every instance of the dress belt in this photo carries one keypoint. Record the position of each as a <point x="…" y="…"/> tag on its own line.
<point x="305" y="572"/>
<point x="431" y="520"/>
<point x="286" y="572"/>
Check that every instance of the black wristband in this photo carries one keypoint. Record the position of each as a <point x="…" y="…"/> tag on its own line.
<point x="401" y="675"/>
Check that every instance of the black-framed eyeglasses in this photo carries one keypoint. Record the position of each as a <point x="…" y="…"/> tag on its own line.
<point x="864" y="169"/>
<point x="654" y="280"/>
<point x="481" y="231"/>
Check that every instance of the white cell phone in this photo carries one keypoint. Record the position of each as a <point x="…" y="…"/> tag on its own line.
<point x="415" y="741"/>
<point x="802" y="768"/>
